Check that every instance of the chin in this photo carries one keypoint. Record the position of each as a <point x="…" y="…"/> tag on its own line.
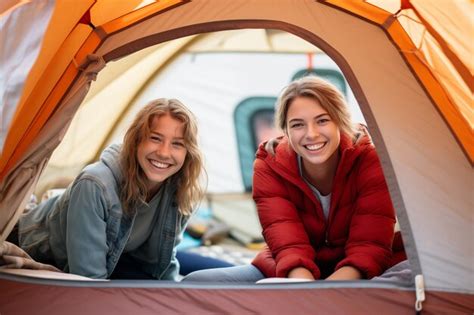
<point x="156" y="179"/>
<point x="316" y="160"/>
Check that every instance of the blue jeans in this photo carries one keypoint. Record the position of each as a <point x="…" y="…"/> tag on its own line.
<point x="242" y="274"/>
<point x="250" y="274"/>
<point x="190" y="262"/>
<point x="128" y="268"/>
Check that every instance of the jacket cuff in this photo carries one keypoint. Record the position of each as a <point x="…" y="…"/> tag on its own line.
<point x="290" y="262"/>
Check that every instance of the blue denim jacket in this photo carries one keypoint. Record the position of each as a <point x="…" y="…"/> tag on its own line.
<point x="84" y="231"/>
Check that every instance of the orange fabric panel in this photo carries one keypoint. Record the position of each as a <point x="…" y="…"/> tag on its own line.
<point x="138" y="15"/>
<point x="361" y="8"/>
<point x="448" y="109"/>
<point x="38" y="122"/>
<point x="63" y="22"/>
<point x="448" y="50"/>
<point x="105" y="11"/>
<point x="8" y="5"/>
<point x="456" y="32"/>
<point x="90" y="45"/>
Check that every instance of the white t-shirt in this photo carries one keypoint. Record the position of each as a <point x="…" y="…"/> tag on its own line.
<point x="325" y="201"/>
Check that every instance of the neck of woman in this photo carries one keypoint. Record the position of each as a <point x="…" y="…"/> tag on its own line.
<point x="322" y="175"/>
<point x="152" y="190"/>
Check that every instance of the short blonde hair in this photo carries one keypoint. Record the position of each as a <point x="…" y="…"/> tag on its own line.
<point x="323" y="92"/>
<point x="189" y="191"/>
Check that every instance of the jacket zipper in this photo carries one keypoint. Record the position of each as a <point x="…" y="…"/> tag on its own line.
<point x="328" y="221"/>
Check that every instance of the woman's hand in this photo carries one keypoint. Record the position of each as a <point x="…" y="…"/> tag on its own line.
<point x="345" y="273"/>
<point x="300" y="273"/>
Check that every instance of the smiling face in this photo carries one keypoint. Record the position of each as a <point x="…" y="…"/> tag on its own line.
<point x="163" y="152"/>
<point x="312" y="133"/>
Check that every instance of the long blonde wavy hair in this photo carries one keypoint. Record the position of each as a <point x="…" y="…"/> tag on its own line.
<point x="134" y="189"/>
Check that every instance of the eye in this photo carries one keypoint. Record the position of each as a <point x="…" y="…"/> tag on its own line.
<point x="323" y="121"/>
<point x="296" y="125"/>
<point x="155" y="138"/>
<point x="178" y="144"/>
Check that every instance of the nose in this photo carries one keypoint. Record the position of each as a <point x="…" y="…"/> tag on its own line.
<point x="312" y="131"/>
<point x="163" y="150"/>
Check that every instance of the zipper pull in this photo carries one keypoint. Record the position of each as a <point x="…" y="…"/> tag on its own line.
<point x="420" y="292"/>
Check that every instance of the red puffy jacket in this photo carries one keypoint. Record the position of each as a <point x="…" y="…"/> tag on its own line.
<point x="360" y="228"/>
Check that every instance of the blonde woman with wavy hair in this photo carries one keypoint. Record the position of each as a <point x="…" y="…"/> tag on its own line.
<point x="134" y="189"/>
<point x="124" y="215"/>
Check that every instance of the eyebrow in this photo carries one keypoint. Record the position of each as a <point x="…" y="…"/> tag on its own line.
<point x="317" y="117"/>
<point x="161" y="135"/>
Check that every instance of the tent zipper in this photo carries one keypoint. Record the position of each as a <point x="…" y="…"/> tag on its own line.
<point x="420" y="292"/>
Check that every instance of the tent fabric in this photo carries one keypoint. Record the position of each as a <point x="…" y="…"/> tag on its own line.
<point x="18" y="56"/>
<point x="441" y="25"/>
<point x="410" y="102"/>
<point x="411" y="35"/>
<point x="27" y="172"/>
<point x="413" y="92"/>
<point x="122" y="297"/>
<point x="460" y="127"/>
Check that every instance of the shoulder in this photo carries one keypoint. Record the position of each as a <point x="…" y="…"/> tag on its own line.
<point x="368" y="170"/>
<point x="98" y="182"/>
<point x="274" y="173"/>
<point x="99" y="174"/>
<point x="358" y="149"/>
<point x="368" y="156"/>
<point x="359" y="159"/>
<point x="276" y="151"/>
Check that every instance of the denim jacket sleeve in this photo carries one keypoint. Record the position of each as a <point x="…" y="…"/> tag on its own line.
<point x="172" y="271"/>
<point x="86" y="239"/>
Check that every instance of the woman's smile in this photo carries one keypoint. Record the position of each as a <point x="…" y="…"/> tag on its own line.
<point x="315" y="147"/>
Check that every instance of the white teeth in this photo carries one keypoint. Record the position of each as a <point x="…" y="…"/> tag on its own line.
<point x="159" y="164"/>
<point x="314" y="147"/>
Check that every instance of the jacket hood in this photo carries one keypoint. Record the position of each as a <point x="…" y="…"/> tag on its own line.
<point x="111" y="158"/>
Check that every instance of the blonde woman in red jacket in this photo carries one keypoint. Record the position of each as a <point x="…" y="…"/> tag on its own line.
<point x="321" y="195"/>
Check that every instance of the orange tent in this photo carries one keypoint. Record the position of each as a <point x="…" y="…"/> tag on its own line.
<point x="409" y="65"/>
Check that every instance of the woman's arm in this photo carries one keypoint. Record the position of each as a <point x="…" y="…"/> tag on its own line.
<point x="301" y="273"/>
<point x="86" y="240"/>
<point x="371" y="231"/>
<point x="345" y="273"/>
<point x="282" y="227"/>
